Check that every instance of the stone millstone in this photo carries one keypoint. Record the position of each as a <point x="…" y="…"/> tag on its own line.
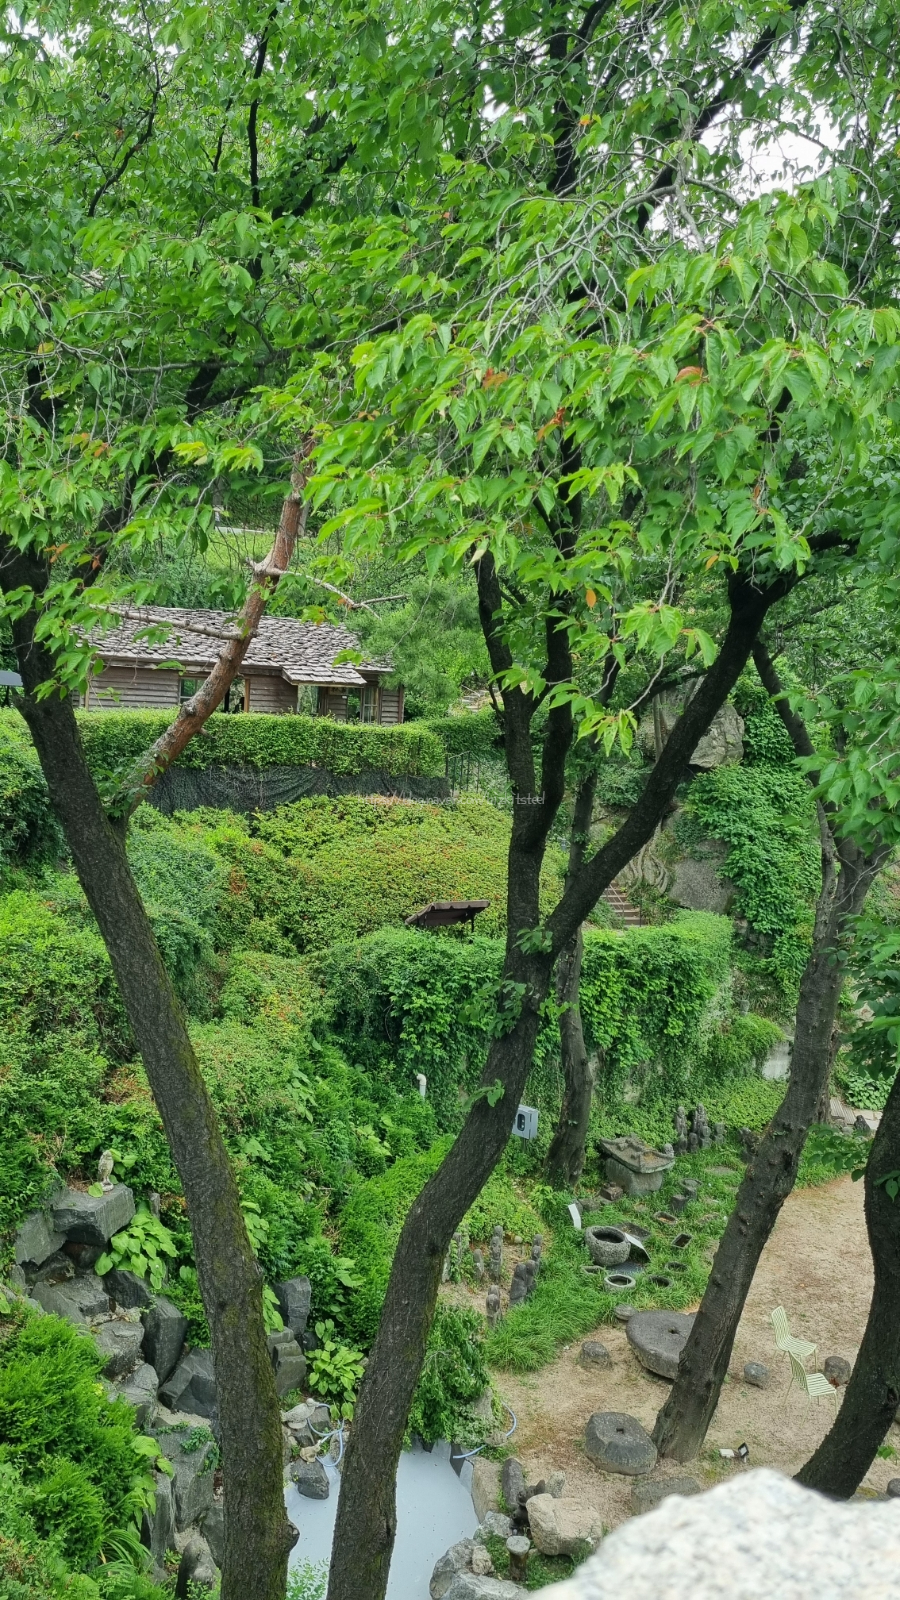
<point x="617" y="1443"/>
<point x="658" y="1338"/>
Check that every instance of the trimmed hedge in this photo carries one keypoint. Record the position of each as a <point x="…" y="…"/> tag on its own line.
<point x="474" y="733"/>
<point x="112" y="738"/>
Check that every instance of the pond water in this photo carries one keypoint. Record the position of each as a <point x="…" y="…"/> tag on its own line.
<point x="434" y="1510"/>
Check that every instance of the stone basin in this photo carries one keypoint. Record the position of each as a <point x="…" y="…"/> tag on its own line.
<point x="658" y="1338"/>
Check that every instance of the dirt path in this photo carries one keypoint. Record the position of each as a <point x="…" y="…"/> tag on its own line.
<point x="817" y="1265"/>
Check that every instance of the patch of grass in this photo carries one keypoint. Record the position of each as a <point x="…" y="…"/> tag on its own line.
<point x="542" y="1570"/>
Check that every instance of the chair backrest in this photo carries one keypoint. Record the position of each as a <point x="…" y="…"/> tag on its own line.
<point x="798" y="1371"/>
<point x="780" y="1324"/>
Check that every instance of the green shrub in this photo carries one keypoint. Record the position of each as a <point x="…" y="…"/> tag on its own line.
<point x="113" y="739"/>
<point x="73" y="1448"/>
<point x="454" y="1376"/>
<point x="370" y="1225"/>
<point x="29" y="831"/>
<point x="475" y="734"/>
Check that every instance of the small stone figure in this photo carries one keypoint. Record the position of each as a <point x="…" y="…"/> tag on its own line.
<point x="104" y="1169"/>
<point x="681" y="1131"/>
<point x="478" y="1266"/>
<point x="690" y="1187"/>
<point x="155" y="1201"/>
<point x="496" y="1255"/>
<point x="700" y="1126"/>
<point x="493" y="1306"/>
<point x="445" y="1270"/>
<point x="718" y="1132"/>
<point x="749" y="1143"/>
<point x="518" y="1289"/>
<point x="530" y="1274"/>
<point x="536" y="1248"/>
<point x="667" y="1150"/>
<point x="693" y="1144"/>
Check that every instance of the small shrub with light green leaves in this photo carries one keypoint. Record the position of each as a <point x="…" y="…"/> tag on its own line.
<point x="335" y="1370"/>
<point x="143" y="1247"/>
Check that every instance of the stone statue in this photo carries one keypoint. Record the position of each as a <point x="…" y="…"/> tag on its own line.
<point x="518" y="1289"/>
<point x="530" y="1274"/>
<point x="718" y="1132"/>
<point x="693" y="1144"/>
<point x="700" y="1125"/>
<point x="681" y="1131"/>
<point x="493" y="1306"/>
<point x="668" y="1150"/>
<point x="478" y="1265"/>
<point x="154" y="1202"/>
<point x="496" y="1255"/>
<point x="536" y="1248"/>
<point x="104" y="1169"/>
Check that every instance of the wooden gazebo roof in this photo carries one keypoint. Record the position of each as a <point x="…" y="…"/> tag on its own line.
<point x="441" y="913"/>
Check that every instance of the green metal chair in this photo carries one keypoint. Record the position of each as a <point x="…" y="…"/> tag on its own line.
<point x="814" y="1384"/>
<point x="785" y="1340"/>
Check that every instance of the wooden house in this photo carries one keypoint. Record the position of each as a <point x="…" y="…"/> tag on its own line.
<point x="290" y="666"/>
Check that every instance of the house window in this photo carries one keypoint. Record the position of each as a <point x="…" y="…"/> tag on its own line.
<point x="368" y="703"/>
<point x="187" y="687"/>
<point x="308" y="700"/>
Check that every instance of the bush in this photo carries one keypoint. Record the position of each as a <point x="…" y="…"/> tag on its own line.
<point x="454" y="1376"/>
<point x="476" y="734"/>
<point x="73" y="1448"/>
<point x="29" y="831"/>
<point x="113" y="739"/>
<point x="370" y="1227"/>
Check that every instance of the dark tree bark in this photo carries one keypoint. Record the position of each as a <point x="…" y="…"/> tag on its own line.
<point x="565" y="1158"/>
<point x="258" y="1535"/>
<point x="847" y="874"/>
<point x="872" y="1396"/>
<point x="366" y="1521"/>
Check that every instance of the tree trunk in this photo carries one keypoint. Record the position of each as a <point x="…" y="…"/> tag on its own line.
<point x="257" y="1533"/>
<point x="684" y="1419"/>
<point x="872" y="1396"/>
<point x="565" y="1158"/>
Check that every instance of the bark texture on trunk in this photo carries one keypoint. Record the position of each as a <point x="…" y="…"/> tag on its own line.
<point x="565" y="1158"/>
<point x="257" y="1533"/>
<point x="872" y="1396"/>
<point x="847" y="874"/>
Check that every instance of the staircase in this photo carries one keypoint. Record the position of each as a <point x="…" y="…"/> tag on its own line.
<point x="624" y="910"/>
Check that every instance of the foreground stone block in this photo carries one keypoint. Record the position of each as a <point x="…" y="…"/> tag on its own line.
<point x="757" y="1537"/>
<point x="78" y="1300"/>
<point x="616" y="1442"/>
<point x="119" y="1343"/>
<point x="454" y="1561"/>
<point x="213" y="1530"/>
<point x="165" y="1330"/>
<point x="562" y="1527"/>
<point x="90" y="1218"/>
<point x="193" y="1460"/>
<point x="158" y="1526"/>
<point x="36" y="1240"/>
<point x="647" y="1496"/>
<point x="192" y="1386"/>
<point x="140" y="1389"/>
<point x="128" y="1290"/>
<point x="294" y="1297"/>
<point x="311" y="1479"/>
<point x="288" y="1361"/>
<point x="658" y="1338"/>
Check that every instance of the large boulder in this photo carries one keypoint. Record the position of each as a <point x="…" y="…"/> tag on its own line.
<point x="311" y="1480"/>
<point x="78" y="1300"/>
<point x="128" y="1290"/>
<point x="158" y="1525"/>
<point x="36" y="1240"/>
<point x="494" y="1526"/>
<point x="466" y="1586"/>
<point x="563" y="1527"/>
<point x="196" y="1569"/>
<point x="658" y="1338"/>
<point x="723" y="743"/>
<point x="164" y="1334"/>
<point x="192" y="1386"/>
<point x="616" y="1442"/>
<point x="140" y="1389"/>
<point x="758" y="1534"/>
<point x="454" y="1561"/>
<point x="193" y="1457"/>
<point x="485" y="1487"/>
<point x="119" y="1343"/>
<point x="288" y="1361"/>
<point x="294" y="1296"/>
<point x="651" y="1493"/>
<point x="93" y="1218"/>
<point x="213" y="1529"/>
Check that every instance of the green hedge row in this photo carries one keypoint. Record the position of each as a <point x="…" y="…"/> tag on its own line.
<point x="473" y="734"/>
<point x="113" y="737"/>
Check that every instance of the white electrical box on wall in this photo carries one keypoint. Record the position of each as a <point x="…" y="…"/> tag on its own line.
<point x="525" y="1125"/>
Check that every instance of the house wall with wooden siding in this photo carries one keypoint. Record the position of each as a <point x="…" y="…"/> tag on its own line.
<point x="270" y="694"/>
<point x="391" y="706"/>
<point x="333" y="703"/>
<point x="132" y="689"/>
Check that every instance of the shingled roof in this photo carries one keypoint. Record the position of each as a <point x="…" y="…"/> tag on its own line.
<point x="299" y="652"/>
